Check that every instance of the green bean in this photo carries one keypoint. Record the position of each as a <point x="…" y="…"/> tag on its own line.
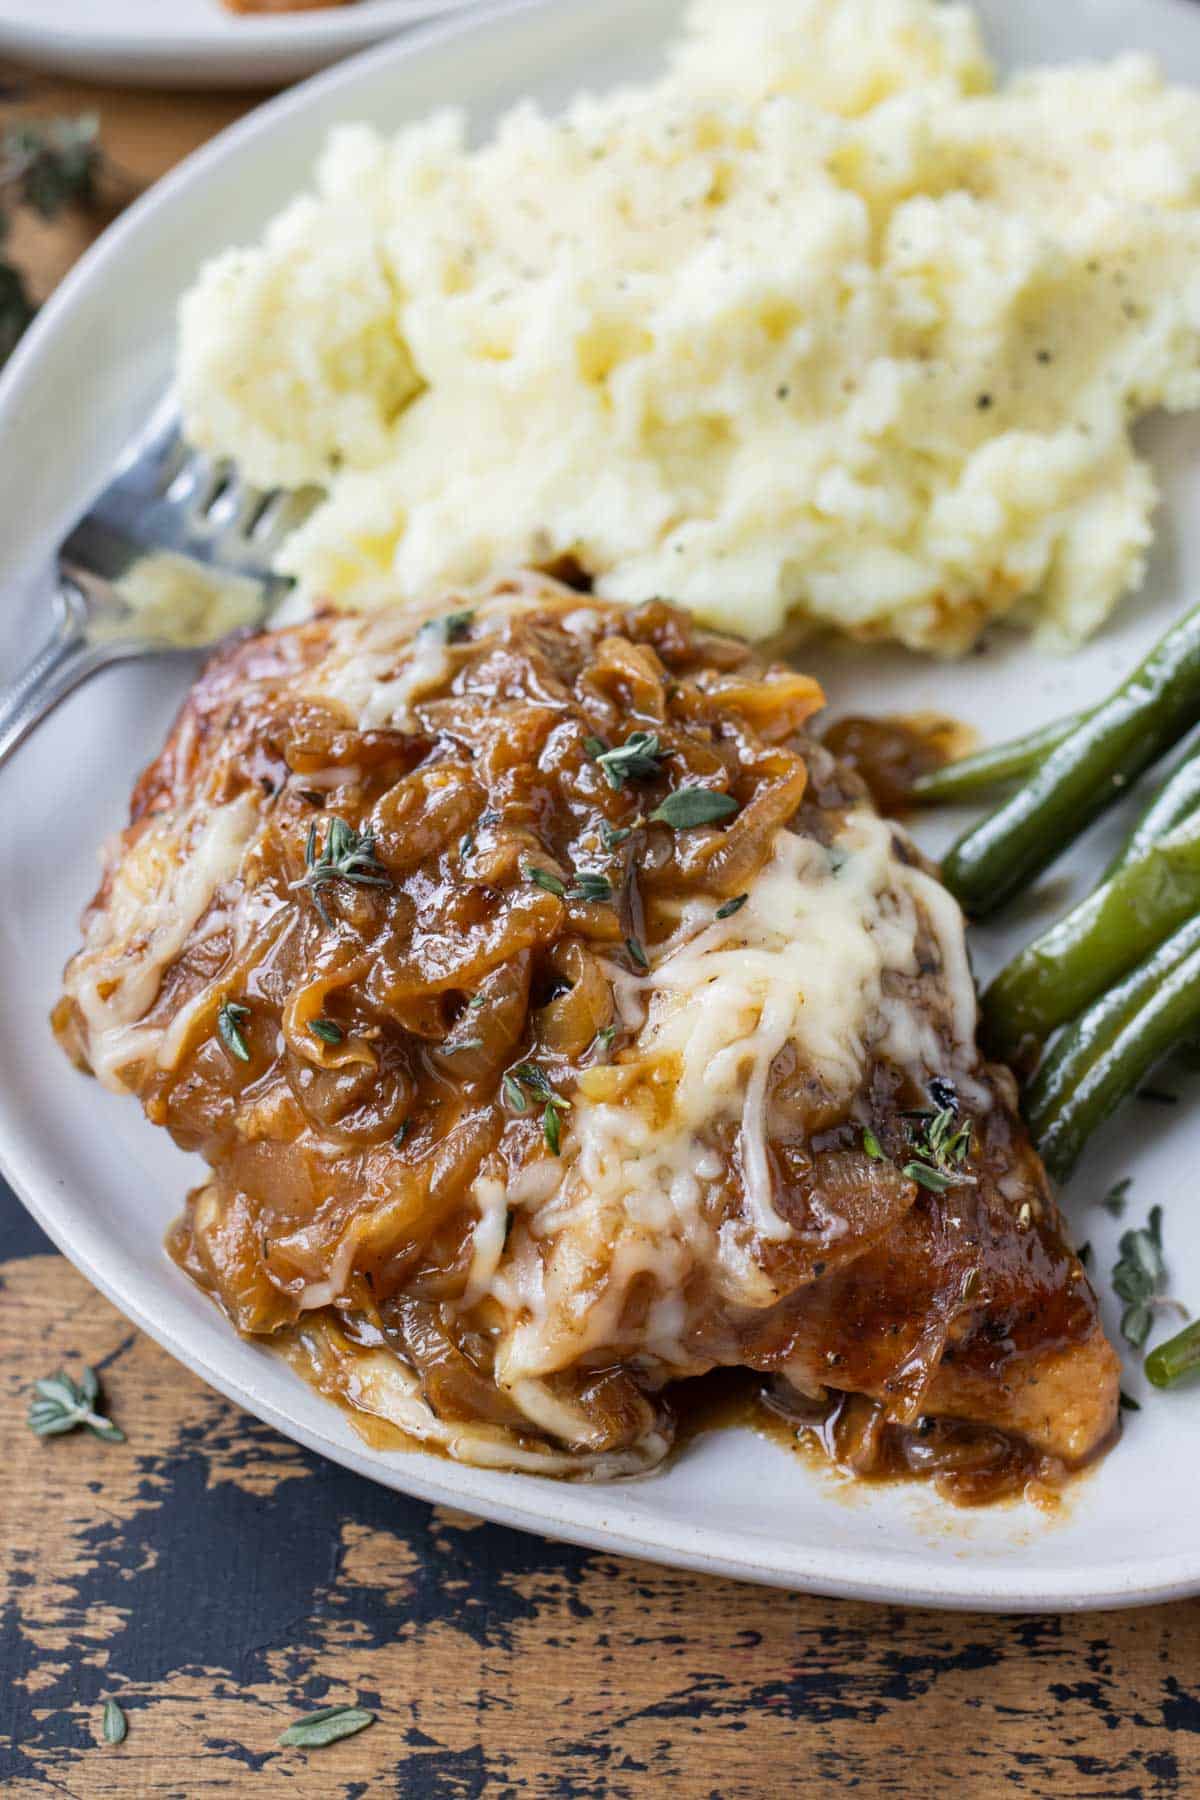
<point x="1088" y="772"/>
<point x="1176" y="1358"/>
<point x="1094" y="945"/>
<point x="1100" y="1024"/>
<point x="1152" y="1013"/>
<point x="970" y="776"/>
<point x="1177" y="801"/>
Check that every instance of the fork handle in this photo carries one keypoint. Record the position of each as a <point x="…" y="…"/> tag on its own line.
<point x="66" y="659"/>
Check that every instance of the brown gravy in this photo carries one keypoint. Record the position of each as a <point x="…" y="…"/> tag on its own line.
<point x="891" y="753"/>
<point x="967" y="1465"/>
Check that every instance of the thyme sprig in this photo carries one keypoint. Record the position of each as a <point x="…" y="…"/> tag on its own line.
<point x="940" y="1146"/>
<point x="589" y="885"/>
<point x="347" y="856"/>
<point x="528" y="1077"/>
<point x="46" y="166"/>
<point x="1139" y="1277"/>
<point x="586" y="884"/>
<point x="613" y="835"/>
<point x="64" y="1405"/>
<point x="639" y="758"/>
<point x="938" y="1143"/>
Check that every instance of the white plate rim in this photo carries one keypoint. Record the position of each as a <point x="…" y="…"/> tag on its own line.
<point x="855" y="1574"/>
<point x="246" y="51"/>
<point x="338" y="28"/>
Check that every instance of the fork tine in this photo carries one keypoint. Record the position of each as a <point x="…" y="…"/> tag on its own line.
<point x="169" y="497"/>
<point x="199" y="482"/>
<point x="174" y="455"/>
<point x="282" y="511"/>
<point x="158" y="444"/>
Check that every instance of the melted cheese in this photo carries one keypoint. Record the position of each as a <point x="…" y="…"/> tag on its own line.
<point x="378" y="669"/>
<point x="646" y="1196"/>
<point x="378" y="1383"/>
<point x="383" y="670"/>
<point x="160" y="889"/>
<point x="806" y="962"/>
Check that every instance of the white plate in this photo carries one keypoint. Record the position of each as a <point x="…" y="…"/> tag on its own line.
<point x="196" y="43"/>
<point x="105" y="1184"/>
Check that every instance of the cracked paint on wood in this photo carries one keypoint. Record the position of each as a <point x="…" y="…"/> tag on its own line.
<point x="218" y="1581"/>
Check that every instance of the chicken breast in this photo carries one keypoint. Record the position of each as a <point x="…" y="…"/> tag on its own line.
<point x="560" y="1021"/>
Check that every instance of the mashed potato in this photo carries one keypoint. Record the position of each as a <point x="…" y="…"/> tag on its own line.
<point x="819" y="326"/>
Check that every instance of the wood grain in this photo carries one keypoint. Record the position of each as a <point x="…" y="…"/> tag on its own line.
<point x="217" y="1581"/>
<point x="144" y="134"/>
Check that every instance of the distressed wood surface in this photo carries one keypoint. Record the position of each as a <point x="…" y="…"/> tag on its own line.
<point x="217" y="1580"/>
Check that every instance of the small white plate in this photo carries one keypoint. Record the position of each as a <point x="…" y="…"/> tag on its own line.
<point x="105" y="1184"/>
<point x="197" y="43"/>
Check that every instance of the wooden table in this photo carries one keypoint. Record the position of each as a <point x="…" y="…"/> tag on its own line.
<point x="218" y="1581"/>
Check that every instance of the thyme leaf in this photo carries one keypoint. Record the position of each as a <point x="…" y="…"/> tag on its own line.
<point x="113" y="1723"/>
<point x="544" y="878"/>
<point x="732" y="906"/>
<point x="62" y="1405"/>
<point x="590" y="886"/>
<point x="587" y="884"/>
<point x="537" y="1082"/>
<point x="318" y="1729"/>
<point x="935" y="1180"/>
<point x="1114" y="1201"/>
<point x="552" y="1130"/>
<point x="688" y="807"/>
<point x="326" y="1030"/>
<point x="639" y="758"/>
<point x="451" y="628"/>
<point x="514" y="1095"/>
<point x="231" y="1016"/>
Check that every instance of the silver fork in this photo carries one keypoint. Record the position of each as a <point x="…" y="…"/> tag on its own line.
<point x="173" y="524"/>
